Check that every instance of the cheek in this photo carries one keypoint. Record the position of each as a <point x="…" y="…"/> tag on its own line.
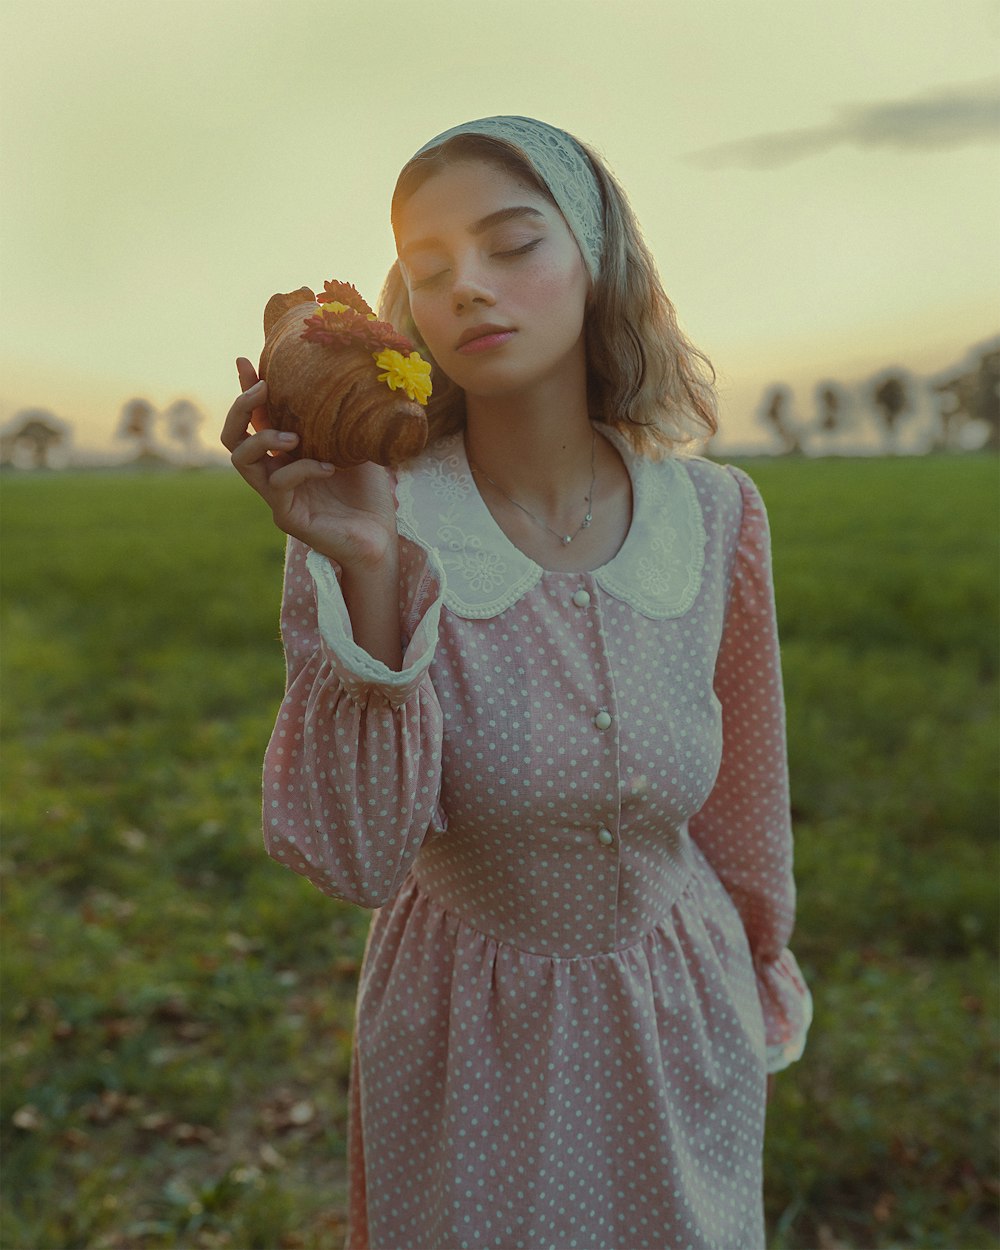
<point x="426" y="318"/>
<point x="552" y="288"/>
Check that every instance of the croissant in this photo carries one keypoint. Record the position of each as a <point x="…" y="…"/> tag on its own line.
<point x="351" y="387"/>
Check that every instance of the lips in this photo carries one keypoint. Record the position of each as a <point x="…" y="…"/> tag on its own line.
<point x="484" y="332"/>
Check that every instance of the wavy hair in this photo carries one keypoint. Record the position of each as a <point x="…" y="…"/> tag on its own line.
<point x="644" y="377"/>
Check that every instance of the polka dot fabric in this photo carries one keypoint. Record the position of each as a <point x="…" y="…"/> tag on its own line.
<point x="573" y="819"/>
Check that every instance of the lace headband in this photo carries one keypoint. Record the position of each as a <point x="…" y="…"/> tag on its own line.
<point x="560" y="163"/>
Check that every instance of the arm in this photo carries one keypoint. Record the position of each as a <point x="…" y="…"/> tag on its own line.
<point x="744" y="828"/>
<point x="352" y="771"/>
<point x="353" y="768"/>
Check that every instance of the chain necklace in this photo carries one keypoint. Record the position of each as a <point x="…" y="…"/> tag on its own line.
<point x="565" y="539"/>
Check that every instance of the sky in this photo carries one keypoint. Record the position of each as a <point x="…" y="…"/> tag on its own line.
<point x="818" y="179"/>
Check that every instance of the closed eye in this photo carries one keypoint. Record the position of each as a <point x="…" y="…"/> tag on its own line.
<point x="509" y="254"/>
<point x="520" y="251"/>
<point x="427" y="281"/>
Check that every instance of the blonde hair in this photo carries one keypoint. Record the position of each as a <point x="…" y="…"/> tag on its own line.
<point x="644" y="377"/>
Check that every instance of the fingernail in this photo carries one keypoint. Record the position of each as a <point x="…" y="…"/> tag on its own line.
<point x="326" y="467"/>
<point x="256" y="387"/>
<point x="287" y="438"/>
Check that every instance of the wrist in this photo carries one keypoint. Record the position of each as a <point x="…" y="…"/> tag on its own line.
<point x="372" y="566"/>
<point x="362" y="561"/>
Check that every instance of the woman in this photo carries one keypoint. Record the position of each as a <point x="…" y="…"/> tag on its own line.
<point x="534" y="716"/>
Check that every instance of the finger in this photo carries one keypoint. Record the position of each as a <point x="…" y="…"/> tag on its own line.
<point x="290" y="476"/>
<point x="238" y="419"/>
<point x="259" y="418"/>
<point x="284" y="493"/>
<point x="268" y="444"/>
<point x="259" y="455"/>
<point x="248" y="378"/>
<point x="247" y="373"/>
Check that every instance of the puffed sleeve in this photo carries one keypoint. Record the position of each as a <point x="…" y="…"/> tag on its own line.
<point x="352" y="773"/>
<point x="744" y="828"/>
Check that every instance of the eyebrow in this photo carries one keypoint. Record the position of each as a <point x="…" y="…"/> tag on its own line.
<point x="482" y="225"/>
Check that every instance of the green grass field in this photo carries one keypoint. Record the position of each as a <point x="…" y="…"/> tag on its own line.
<point x="177" y="1008"/>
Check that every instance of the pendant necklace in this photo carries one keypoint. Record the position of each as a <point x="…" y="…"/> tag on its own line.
<point x="565" y="539"/>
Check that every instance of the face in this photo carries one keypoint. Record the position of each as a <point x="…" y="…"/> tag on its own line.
<point x="497" y="284"/>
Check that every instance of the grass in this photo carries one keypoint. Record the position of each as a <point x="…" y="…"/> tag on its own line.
<point x="178" y="1009"/>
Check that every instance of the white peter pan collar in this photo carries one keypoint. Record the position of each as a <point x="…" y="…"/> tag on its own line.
<point x="657" y="570"/>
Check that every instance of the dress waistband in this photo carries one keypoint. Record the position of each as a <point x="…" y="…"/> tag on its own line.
<point x="571" y="899"/>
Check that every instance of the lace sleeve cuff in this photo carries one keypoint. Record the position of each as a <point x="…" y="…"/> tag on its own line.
<point x="360" y="673"/>
<point x="787" y="1007"/>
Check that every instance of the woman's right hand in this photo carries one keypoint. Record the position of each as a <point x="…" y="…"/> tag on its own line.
<point x="346" y="514"/>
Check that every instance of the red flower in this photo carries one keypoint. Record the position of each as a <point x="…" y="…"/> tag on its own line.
<point x="344" y="293"/>
<point x="352" y="326"/>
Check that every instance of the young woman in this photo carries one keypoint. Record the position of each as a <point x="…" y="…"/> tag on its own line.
<point x="534" y="717"/>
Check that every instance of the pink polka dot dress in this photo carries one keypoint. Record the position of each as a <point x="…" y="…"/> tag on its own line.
<point x="570" y="810"/>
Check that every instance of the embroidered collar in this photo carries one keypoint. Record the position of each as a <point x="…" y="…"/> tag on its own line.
<point x="657" y="570"/>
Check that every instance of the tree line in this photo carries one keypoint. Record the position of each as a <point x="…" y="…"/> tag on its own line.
<point x="962" y="404"/>
<point x="36" y="438"/>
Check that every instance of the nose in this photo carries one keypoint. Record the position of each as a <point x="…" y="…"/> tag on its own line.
<point x="470" y="287"/>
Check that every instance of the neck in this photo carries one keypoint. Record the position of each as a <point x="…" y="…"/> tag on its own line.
<point x="537" y="447"/>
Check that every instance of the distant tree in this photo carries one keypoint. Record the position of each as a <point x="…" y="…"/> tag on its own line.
<point x="986" y="405"/>
<point x="828" y="399"/>
<point x="971" y="396"/>
<point x="776" y="411"/>
<point x="183" y="419"/>
<point x="136" y="426"/>
<point x="892" y="398"/>
<point x="834" y="410"/>
<point x="35" y="438"/>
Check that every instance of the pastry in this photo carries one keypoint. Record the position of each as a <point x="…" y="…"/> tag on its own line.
<point x="351" y="387"/>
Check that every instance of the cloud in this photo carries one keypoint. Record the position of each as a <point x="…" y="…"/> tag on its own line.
<point x="944" y="117"/>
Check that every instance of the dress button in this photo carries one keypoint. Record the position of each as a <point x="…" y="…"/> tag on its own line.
<point x="602" y="720"/>
<point x="605" y="836"/>
<point x="581" y="598"/>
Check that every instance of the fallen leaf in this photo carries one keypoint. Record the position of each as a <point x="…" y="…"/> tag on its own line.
<point x="110" y="1104"/>
<point x="883" y="1208"/>
<point x="171" y="1009"/>
<point x="133" y="839"/>
<point x="156" y="1122"/>
<point x="269" y="1157"/>
<point x="122" y="1026"/>
<point x="194" y="1135"/>
<point x="827" y="1241"/>
<point x="28" y="1118"/>
<point x="301" y="1113"/>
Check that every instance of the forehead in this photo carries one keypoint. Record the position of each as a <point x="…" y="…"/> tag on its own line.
<point x="459" y="195"/>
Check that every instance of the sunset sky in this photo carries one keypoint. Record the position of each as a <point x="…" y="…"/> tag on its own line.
<point x="818" y="179"/>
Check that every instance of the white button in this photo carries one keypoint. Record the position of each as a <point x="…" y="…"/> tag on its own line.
<point x="606" y="836"/>
<point x="602" y="720"/>
<point x="581" y="598"/>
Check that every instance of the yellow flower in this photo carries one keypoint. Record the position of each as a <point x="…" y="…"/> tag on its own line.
<point x="412" y="373"/>
<point x="335" y="306"/>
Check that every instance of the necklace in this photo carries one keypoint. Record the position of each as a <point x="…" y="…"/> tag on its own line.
<point x="565" y="539"/>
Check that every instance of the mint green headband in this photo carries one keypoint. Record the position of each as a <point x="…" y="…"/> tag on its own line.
<point x="562" y="165"/>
